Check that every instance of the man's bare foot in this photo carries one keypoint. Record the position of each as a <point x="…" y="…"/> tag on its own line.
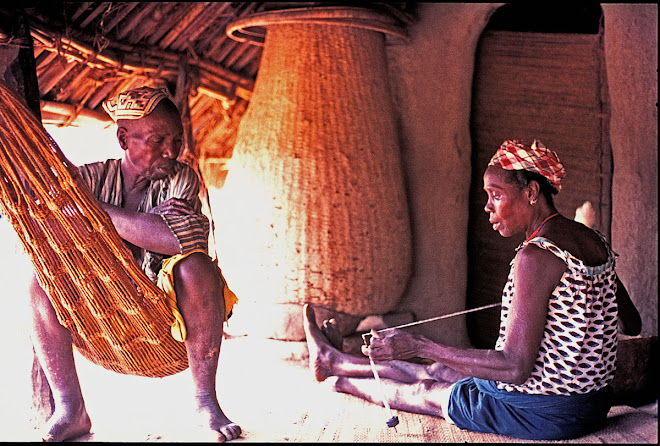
<point x="69" y="421"/>
<point x="320" y="349"/>
<point x="212" y="417"/>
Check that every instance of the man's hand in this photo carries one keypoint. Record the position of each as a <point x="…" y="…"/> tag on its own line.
<point x="173" y="206"/>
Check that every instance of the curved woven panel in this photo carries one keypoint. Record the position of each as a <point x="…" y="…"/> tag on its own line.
<point x="314" y="207"/>
<point x="117" y="316"/>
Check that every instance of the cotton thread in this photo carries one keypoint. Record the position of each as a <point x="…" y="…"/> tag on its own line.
<point x="392" y="421"/>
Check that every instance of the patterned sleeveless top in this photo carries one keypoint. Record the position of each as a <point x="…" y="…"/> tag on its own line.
<point x="578" y="349"/>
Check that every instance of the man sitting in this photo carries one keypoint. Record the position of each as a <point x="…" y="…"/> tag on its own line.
<point x="153" y="202"/>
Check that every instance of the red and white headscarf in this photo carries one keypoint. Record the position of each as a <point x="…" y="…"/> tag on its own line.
<point x="514" y="155"/>
<point x="134" y="104"/>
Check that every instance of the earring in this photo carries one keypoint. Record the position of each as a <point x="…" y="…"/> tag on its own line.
<point x="533" y="201"/>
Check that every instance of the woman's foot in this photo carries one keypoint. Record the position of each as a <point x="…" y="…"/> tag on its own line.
<point x="321" y="351"/>
<point x="331" y="332"/>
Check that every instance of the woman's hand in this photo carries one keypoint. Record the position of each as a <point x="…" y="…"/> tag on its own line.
<point x="395" y="344"/>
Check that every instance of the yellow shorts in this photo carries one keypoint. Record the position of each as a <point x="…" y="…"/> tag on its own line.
<point x="166" y="283"/>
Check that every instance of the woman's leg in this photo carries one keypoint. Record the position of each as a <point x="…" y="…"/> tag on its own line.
<point x="427" y="397"/>
<point x="325" y="360"/>
<point x="410" y="387"/>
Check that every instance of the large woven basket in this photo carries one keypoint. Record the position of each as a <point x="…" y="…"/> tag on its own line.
<point x="117" y="317"/>
<point x="314" y="205"/>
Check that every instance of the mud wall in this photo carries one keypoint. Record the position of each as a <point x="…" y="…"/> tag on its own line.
<point x="432" y="82"/>
<point x="432" y="78"/>
<point x="631" y="59"/>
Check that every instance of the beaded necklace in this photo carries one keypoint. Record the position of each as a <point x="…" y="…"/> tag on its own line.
<point x="539" y="228"/>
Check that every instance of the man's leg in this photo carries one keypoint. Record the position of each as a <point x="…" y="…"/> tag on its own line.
<point x="54" y="349"/>
<point x="199" y="291"/>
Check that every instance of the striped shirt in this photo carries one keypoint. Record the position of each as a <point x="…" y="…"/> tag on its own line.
<point x="192" y="231"/>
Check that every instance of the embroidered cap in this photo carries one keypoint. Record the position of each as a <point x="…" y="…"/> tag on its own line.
<point x="135" y="104"/>
<point x="514" y="155"/>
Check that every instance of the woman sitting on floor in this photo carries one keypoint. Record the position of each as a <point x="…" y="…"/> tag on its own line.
<point x="547" y="377"/>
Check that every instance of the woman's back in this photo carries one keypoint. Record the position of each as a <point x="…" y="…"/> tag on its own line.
<point x="576" y="238"/>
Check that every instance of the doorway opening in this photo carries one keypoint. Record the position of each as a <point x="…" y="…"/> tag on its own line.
<point x="539" y="74"/>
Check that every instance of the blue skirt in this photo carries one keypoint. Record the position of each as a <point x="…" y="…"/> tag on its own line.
<point x="478" y="405"/>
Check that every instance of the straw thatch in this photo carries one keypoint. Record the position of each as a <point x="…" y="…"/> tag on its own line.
<point x="86" y="52"/>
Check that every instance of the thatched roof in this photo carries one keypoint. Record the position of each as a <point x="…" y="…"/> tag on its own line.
<point x="86" y="52"/>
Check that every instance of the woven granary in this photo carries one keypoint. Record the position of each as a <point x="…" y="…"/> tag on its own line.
<point x="117" y="317"/>
<point x="315" y="187"/>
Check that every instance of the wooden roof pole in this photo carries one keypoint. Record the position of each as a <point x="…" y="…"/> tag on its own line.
<point x="190" y="153"/>
<point x="147" y="61"/>
<point x="21" y="68"/>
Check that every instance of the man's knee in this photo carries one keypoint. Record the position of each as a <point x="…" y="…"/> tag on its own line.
<point x="194" y="266"/>
<point x="43" y="312"/>
<point x="198" y="271"/>
<point x="38" y="296"/>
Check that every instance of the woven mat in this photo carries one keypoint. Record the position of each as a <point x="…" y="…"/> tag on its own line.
<point x="358" y="421"/>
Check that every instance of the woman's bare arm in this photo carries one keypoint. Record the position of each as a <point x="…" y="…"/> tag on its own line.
<point x="537" y="273"/>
